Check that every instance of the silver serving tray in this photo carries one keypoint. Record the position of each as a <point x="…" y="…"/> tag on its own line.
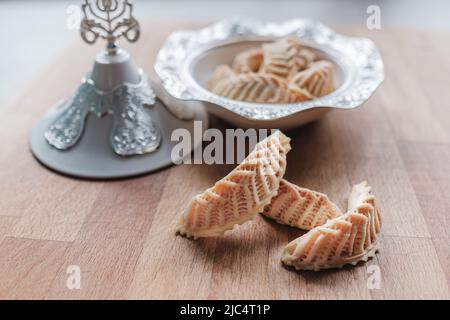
<point x="188" y="57"/>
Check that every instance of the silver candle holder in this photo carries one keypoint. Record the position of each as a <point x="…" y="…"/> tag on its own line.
<point x="111" y="126"/>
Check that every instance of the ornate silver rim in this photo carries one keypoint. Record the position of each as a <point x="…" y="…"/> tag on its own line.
<point x="359" y="57"/>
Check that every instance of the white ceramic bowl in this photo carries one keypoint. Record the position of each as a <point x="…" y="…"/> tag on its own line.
<point x="188" y="58"/>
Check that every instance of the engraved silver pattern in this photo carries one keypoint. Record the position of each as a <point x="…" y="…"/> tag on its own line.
<point x="67" y="128"/>
<point x="358" y="56"/>
<point x="133" y="131"/>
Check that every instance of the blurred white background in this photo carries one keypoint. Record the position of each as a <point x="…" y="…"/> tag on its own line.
<point x="33" y="33"/>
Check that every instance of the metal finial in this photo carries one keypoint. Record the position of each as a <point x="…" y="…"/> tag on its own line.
<point x="109" y="20"/>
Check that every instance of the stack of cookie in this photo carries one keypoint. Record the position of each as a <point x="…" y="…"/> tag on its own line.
<point x="280" y="72"/>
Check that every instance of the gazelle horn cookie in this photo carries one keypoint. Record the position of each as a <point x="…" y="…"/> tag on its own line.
<point x="300" y="207"/>
<point x="359" y="194"/>
<point x="283" y="58"/>
<point x="248" y="61"/>
<point x="241" y="195"/>
<point x="221" y="73"/>
<point x="306" y="57"/>
<point x="347" y="239"/>
<point x="301" y="93"/>
<point x="317" y="79"/>
<point x="254" y="87"/>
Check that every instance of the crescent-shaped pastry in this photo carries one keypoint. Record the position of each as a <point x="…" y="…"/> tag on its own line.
<point x="285" y="57"/>
<point x="317" y="79"/>
<point x="221" y="73"/>
<point x="300" y="207"/>
<point x="255" y="87"/>
<point x="306" y="57"/>
<point x="242" y="194"/>
<point x="347" y="239"/>
<point x="301" y="93"/>
<point x="248" y="61"/>
<point x="360" y="193"/>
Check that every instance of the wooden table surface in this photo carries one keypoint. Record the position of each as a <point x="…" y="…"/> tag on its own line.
<point x="121" y="233"/>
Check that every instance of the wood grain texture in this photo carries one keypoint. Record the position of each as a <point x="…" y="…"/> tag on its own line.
<point x="429" y="167"/>
<point x="29" y="266"/>
<point x="122" y="233"/>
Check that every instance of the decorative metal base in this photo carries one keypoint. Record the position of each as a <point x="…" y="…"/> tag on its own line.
<point x="112" y="127"/>
<point x="93" y="156"/>
<point x="117" y="88"/>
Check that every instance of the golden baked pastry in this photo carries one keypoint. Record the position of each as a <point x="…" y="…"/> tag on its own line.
<point x="317" y="79"/>
<point x="255" y="87"/>
<point x="300" y="207"/>
<point x="221" y="73"/>
<point x="248" y="61"/>
<point x="301" y="93"/>
<point x="285" y="57"/>
<point x="347" y="239"/>
<point x="306" y="57"/>
<point x="360" y="193"/>
<point x="242" y="194"/>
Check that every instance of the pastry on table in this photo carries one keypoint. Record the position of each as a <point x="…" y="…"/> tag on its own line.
<point x="359" y="194"/>
<point x="301" y="93"/>
<point x="285" y="57"/>
<point x="221" y="73"/>
<point x="241" y="195"/>
<point x="248" y="61"/>
<point x="253" y="87"/>
<point x="317" y="79"/>
<point x="347" y="239"/>
<point x="300" y="207"/>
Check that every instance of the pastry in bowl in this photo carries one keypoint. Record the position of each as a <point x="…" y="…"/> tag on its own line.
<point x="253" y="87"/>
<point x="248" y="61"/>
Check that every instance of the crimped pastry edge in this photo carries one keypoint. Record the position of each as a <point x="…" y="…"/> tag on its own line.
<point x="368" y="254"/>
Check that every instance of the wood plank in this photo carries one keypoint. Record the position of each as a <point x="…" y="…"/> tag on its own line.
<point x="345" y="283"/>
<point x="247" y="263"/>
<point x="313" y="164"/>
<point x="410" y="269"/>
<point x="21" y="175"/>
<point x="111" y="239"/>
<point x="129" y="204"/>
<point x="6" y="224"/>
<point x="57" y="212"/>
<point x="418" y="275"/>
<point x="28" y="267"/>
<point x="430" y="76"/>
<point x="106" y="257"/>
<point x="172" y="267"/>
<point x="405" y="99"/>
<point x="366" y="147"/>
<point x="429" y="171"/>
